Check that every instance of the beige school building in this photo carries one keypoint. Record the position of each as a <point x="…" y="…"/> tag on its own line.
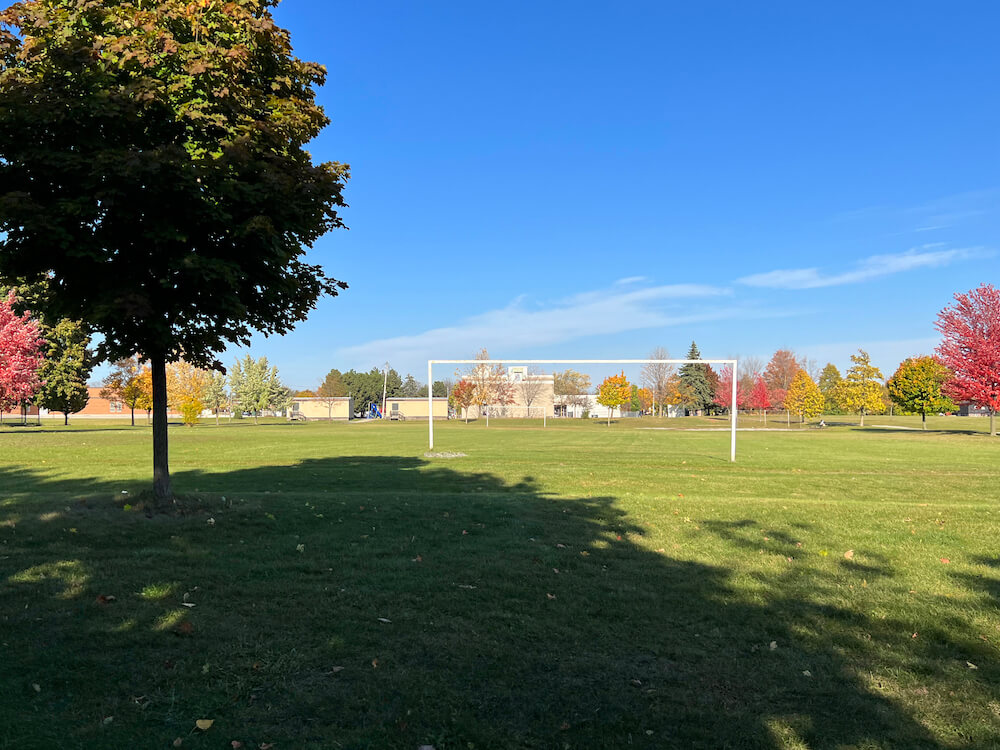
<point x="317" y="407"/>
<point x="414" y="408"/>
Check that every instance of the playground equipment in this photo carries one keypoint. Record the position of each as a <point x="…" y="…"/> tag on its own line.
<point x="373" y="412"/>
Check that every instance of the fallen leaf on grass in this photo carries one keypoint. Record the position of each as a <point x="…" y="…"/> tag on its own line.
<point x="335" y="670"/>
<point x="945" y="560"/>
<point x="849" y="555"/>
<point x="418" y="558"/>
<point x="105" y="599"/>
<point x="236" y="744"/>
<point x="970" y="665"/>
<point x="560" y="546"/>
<point x="564" y="726"/>
<point x="386" y="620"/>
<point x="187" y="604"/>
<point x="551" y="596"/>
<point x="773" y="645"/>
<point x="178" y="742"/>
<point x="374" y="663"/>
<point x="204" y="724"/>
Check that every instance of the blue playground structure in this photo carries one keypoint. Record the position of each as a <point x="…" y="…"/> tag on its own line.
<point x="373" y="412"/>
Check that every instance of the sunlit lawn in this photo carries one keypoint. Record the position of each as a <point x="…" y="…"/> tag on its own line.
<point x="580" y="586"/>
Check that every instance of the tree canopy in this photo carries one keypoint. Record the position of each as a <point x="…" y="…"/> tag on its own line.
<point x="804" y="396"/>
<point x="65" y="369"/>
<point x="153" y="167"/>
<point x="696" y="387"/>
<point x="916" y="386"/>
<point x="614" y="391"/>
<point x="860" y="391"/>
<point x="970" y="348"/>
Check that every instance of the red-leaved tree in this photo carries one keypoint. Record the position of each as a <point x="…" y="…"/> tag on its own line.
<point x="462" y="395"/>
<point x="724" y="389"/>
<point x="21" y="352"/>
<point x="779" y="374"/>
<point x="760" y="398"/>
<point x="970" y="348"/>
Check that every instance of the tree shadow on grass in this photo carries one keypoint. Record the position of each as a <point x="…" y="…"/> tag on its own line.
<point x="385" y="602"/>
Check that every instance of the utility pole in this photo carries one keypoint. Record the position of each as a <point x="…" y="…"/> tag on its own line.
<point x="385" y="381"/>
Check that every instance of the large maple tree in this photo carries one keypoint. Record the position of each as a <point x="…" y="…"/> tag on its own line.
<point x="970" y="348"/>
<point x="153" y="168"/>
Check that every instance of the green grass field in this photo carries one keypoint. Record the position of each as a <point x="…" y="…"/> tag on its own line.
<point x="329" y="586"/>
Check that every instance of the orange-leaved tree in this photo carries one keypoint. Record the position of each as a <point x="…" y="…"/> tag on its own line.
<point x="614" y="391"/>
<point x="463" y="394"/>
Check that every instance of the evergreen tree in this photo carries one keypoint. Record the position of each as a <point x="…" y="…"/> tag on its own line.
<point x="696" y="388"/>
<point x="411" y="388"/>
<point x="65" y="370"/>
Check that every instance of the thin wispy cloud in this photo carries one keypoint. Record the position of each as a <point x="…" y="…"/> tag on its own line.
<point x="513" y="329"/>
<point x="876" y="266"/>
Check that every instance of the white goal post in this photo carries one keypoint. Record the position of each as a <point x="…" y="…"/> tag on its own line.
<point x="732" y="407"/>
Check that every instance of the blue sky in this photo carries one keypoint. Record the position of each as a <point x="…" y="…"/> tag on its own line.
<point x="586" y="180"/>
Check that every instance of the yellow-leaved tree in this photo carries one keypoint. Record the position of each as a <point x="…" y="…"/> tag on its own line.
<point x="804" y="397"/>
<point x="614" y="391"/>
<point x="186" y="386"/>
<point x="860" y="391"/>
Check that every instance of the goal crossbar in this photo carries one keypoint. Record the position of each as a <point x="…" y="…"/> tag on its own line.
<point x="732" y="407"/>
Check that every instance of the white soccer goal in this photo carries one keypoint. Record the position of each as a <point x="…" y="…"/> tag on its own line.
<point x="733" y="410"/>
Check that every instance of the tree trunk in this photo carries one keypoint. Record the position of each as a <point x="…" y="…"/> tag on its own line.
<point x="993" y="429"/>
<point x="162" y="493"/>
<point x="133" y="415"/>
<point x="788" y="418"/>
<point x="923" y="420"/>
<point x="216" y="417"/>
<point x="65" y="418"/>
<point x="862" y="418"/>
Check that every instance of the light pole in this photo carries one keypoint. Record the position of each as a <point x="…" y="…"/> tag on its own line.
<point x="385" y="381"/>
